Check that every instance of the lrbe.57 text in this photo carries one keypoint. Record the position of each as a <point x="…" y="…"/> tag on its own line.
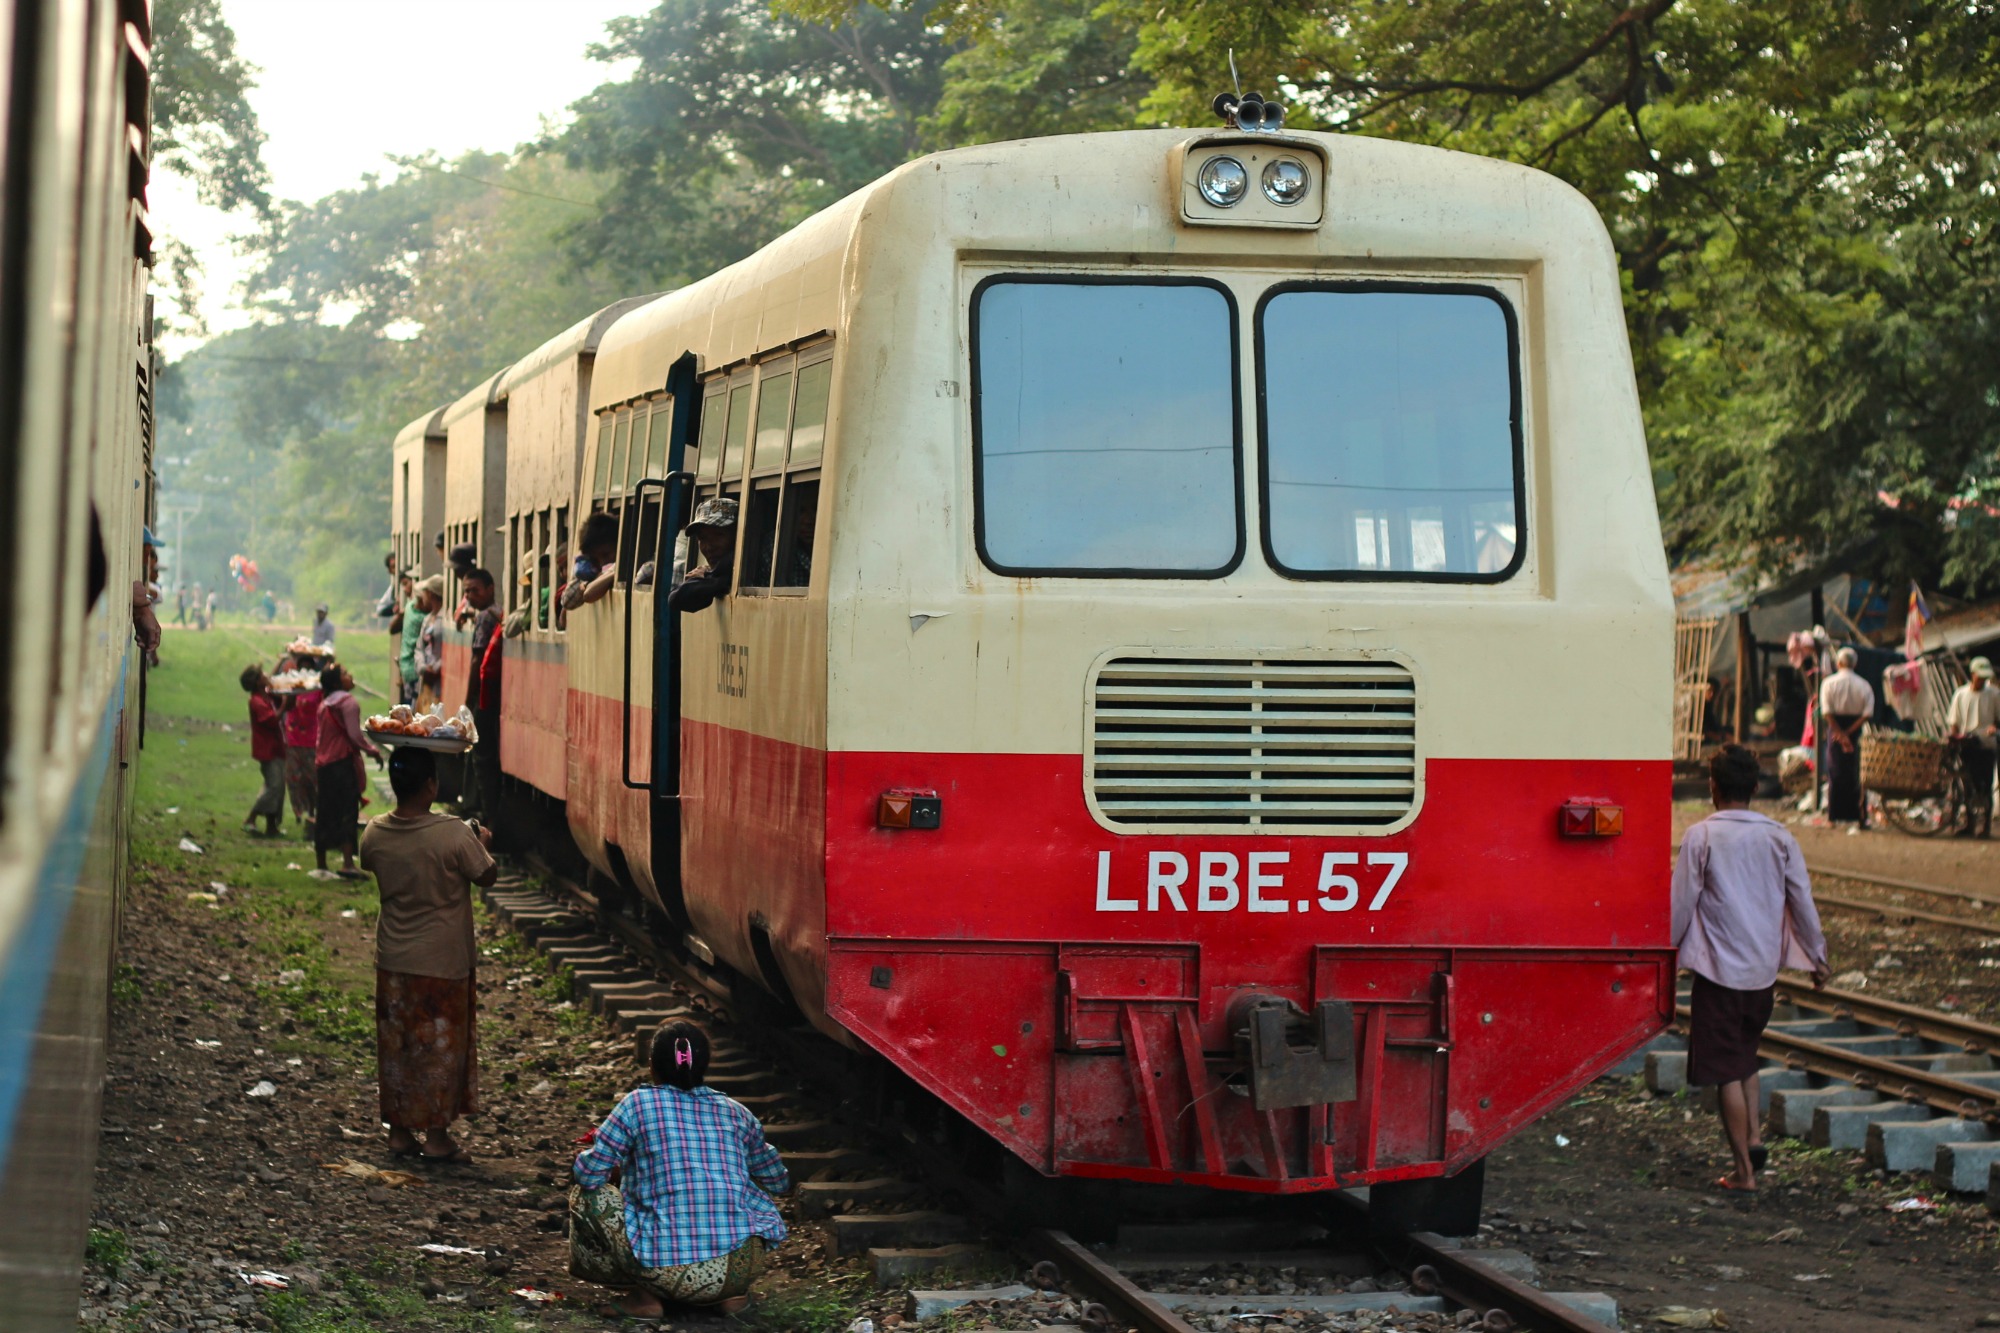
<point x="1223" y="882"/>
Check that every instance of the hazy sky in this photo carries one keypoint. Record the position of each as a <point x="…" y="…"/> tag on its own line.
<point x="343" y="85"/>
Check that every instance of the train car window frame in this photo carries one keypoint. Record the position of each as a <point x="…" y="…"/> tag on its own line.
<point x="708" y="441"/>
<point x="769" y="448"/>
<point x="1510" y="317"/>
<point x="514" y="567"/>
<point x="599" y="467"/>
<point x="560" y="570"/>
<point x="802" y="476"/>
<point x="1235" y="380"/>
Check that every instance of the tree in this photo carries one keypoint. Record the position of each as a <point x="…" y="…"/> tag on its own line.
<point x="736" y="125"/>
<point x="203" y="125"/>
<point x="1798" y="197"/>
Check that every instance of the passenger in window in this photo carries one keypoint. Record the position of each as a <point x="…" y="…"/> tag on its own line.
<point x="597" y="565"/>
<point x="713" y="533"/>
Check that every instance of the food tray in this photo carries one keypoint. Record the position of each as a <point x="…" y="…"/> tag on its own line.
<point x="455" y="745"/>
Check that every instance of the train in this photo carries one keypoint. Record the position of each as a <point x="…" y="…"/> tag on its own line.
<point x="1192" y="692"/>
<point x="76" y="495"/>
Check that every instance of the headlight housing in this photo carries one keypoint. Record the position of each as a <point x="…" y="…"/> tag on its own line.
<point x="1223" y="181"/>
<point x="1286" y="182"/>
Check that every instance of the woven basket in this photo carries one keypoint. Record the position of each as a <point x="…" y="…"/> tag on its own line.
<point x="1901" y="765"/>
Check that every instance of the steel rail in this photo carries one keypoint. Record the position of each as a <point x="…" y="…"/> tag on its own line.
<point x="1944" y="1094"/>
<point x="1908" y="885"/>
<point x="1970" y="1035"/>
<point x="1094" y="1277"/>
<point x="1460" y="1277"/>
<point x="1894" y="912"/>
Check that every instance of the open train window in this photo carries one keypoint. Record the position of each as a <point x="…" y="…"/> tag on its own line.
<point x="561" y="567"/>
<point x="796" y="529"/>
<point x="1106" y="426"/>
<point x="767" y="464"/>
<point x="1391" y="438"/>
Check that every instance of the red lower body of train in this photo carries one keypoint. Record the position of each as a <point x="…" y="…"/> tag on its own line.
<point x="1056" y="984"/>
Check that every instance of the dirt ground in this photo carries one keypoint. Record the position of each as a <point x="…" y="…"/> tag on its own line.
<point x="238" y="971"/>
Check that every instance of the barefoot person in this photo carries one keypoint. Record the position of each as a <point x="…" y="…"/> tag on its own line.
<point x="692" y="1218"/>
<point x="1742" y="908"/>
<point x="425" y="981"/>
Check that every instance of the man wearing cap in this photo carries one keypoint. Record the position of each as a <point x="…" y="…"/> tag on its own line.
<point x="1973" y="720"/>
<point x="322" y="635"/>
<point x="712" y="532"/>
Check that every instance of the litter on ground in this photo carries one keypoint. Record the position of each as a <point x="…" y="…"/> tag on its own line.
<point x="190" y="845"/>
<point x="373" y="1174"/>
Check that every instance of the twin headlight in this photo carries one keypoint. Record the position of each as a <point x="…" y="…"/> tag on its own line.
<point x="1223" y="181"/>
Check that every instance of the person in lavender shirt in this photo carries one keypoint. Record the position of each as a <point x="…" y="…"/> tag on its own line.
<point x="1742" y="908"/>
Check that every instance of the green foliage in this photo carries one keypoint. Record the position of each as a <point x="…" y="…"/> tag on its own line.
<point x="1799" y="196"/>
<point x="107" y="1249"/>
<point x="204" y="127"/>
<point x="737" y="124"/>
<point x="825" y="1308"/>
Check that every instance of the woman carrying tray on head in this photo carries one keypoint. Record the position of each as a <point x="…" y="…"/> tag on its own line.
<point x="341" y="743"/>
<point x="301" y="727"/>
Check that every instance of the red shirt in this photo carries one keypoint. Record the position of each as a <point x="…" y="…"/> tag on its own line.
<point x="266" y="740"/>
<point x="489" y="671"/>
<point x="340" y="729"/>
<point x="302" y="719"/>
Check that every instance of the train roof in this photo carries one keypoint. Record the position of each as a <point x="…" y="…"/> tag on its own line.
<point x="430" y="425"/>
<point x="579" y="339"/>
<point x="1100" y="198"/>
<point x="474" y="400"/>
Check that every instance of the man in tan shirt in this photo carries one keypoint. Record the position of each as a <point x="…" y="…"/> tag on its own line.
<point x="425" y="960"/>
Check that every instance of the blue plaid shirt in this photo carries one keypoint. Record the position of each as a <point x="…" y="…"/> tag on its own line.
<point x="693" y="1163"/>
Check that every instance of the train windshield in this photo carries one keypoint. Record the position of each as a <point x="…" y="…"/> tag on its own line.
<point x="1391" y="432"/>
<point x="1106" y="427"/>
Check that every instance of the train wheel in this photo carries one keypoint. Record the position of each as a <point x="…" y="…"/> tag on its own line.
<point x="1447" y="1205"/>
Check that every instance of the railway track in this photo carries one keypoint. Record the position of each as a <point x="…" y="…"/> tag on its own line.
<point x="1914" y="1089"/>
<point x="1901" y="911"/>
<point x="854" y="1171"/>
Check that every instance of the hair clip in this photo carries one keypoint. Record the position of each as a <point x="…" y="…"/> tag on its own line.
<point x="683" y="1053"/>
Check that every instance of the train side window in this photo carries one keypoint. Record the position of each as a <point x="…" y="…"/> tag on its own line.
<point x="657" y="432"/>
<point x="561" y="568"/>
<point x="601" y="466"/>
<point x="515" y="567"/>
<point x="1391" y="432"/>
<point x="809" y="414"/>
<point x="767" y="461"/>
<point x="1123" y="460"/>
<point x="796" y="529"/>
<point x="736" y="433"/>
<point x="714" y="418"/>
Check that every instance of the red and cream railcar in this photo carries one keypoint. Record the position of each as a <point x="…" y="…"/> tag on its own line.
<point x="1194" y="691"/>
<point x="416" y="495"/>
<point x="547" y="394"/>
<point x="475" y="499"/>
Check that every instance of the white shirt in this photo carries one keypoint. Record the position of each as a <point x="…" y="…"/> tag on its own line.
<point x="1742" y="905"/>
<point x="1846" y="693"/>
<point x="1973" y="711"/>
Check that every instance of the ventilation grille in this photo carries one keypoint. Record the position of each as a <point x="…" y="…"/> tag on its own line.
<point x="1279" y="744"/>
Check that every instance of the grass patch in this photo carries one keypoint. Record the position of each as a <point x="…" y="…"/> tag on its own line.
<point x="196" y="782"/>
<point x="824" y="1309"/>
<point x="107" y="1249"/>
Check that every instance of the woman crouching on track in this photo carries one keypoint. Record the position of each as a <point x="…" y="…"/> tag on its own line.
<point x="694" y="1217"/>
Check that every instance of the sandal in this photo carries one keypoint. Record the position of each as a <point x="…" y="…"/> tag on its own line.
<point x="1729" y="1186"/>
